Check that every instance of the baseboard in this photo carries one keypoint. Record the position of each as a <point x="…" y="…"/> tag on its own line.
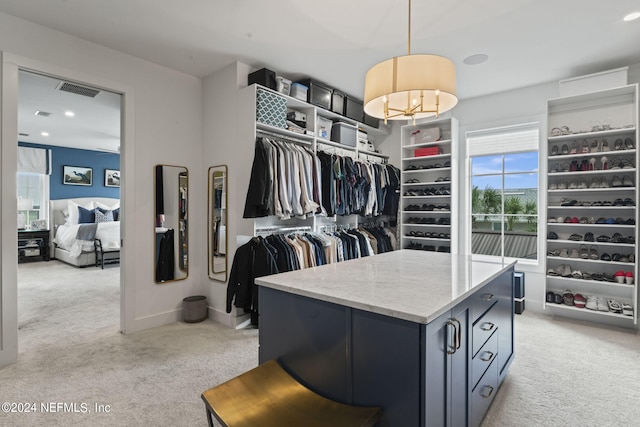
<point x="233" y="320"/>
<point x="160" y="319"/>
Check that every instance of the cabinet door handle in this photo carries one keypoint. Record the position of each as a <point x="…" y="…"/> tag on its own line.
<point x="488" y="355"/>
<point x="487" y="326"/>
<point x="459" y="333"/>
<point x="452" y="348"/>
<point x="487" y="297"/>
<point x="486" y="396"/>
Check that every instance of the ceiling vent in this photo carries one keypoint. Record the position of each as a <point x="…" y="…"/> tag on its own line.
<point x="23" y="134"/>
<point x="42" y="113"/>
<point x="78" y="90"/>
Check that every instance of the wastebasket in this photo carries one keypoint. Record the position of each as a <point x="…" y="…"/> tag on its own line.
<point x="194" y="309"/>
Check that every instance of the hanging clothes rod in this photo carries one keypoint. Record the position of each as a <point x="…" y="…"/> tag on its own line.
<point x="279" y="230"/>
<point x="286" y="138"/>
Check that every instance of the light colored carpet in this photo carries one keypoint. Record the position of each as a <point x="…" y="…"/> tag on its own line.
<point x="565" y="373"/>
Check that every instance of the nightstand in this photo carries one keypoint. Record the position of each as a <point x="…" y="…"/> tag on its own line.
<point x="33" y="245"/>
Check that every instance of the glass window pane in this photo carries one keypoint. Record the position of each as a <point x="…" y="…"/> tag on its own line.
<point x="521" y="181"/>
<point x="486" y="195"/>
<point x="486" y="164"/>
<point x="486" y="242"/>
<point x="520" y="237"/>
<point x="521" y="162"/>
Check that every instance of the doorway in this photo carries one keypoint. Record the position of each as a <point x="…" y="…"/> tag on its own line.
<point x="78" y="127"/>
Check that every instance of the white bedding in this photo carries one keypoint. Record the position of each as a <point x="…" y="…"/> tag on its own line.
<point x="107" y="232"/>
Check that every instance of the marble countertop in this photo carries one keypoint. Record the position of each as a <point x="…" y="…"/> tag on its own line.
<point x="412" y="285"/>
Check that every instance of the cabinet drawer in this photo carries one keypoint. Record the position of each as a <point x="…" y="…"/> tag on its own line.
<point x="484" y="328"/>
<point x="483" y="394"/>
<point x="482" y="300"/>
<point x="483" y="359"/>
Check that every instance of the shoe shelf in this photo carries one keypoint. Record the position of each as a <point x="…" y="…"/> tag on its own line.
<point x="592" y="157"/>
<point x="427" y="150"/>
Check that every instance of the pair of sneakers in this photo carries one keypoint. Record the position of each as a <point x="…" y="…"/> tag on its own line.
<point x="622" y="277"/>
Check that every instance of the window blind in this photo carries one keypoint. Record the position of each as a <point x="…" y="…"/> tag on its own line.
<point x="34" y="160"/>
<point x="510" y="139"/>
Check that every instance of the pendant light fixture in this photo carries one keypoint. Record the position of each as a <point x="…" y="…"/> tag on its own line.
<point x="410" y="87"/>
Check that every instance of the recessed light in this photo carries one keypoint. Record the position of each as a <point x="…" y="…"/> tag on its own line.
<point x="475" y="59"/>
<point x="632" y="16"/>
<point x="44" y="133"/>
<point x="69" y="113"/>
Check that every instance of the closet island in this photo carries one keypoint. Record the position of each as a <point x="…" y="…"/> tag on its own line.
<point x="427" y="336"/>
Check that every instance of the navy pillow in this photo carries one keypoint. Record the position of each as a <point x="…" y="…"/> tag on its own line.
<point x="116" y="214"/>
<point x="86" y="216"/>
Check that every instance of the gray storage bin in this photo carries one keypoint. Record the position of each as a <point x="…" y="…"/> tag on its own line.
<point x="194" y="309"/>
<point x="344" y="134"/>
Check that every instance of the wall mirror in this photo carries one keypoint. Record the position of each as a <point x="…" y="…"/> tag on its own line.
<point x="171" y="223"/>
<point x="217" y="233"/>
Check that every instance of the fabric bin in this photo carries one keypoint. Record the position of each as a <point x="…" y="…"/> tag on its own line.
<point x="194" y="309"/>
<point x="344" y="134"/>
<point x="271" y="109"/>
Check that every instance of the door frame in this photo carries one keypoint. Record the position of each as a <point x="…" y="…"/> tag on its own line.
<point x="11" y="64"/>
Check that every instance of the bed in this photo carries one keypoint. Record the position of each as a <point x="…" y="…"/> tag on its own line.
<point x="68" y="222"/>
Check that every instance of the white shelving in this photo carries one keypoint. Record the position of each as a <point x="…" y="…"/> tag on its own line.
<point x="250" y="128"/>
<point x="428" y="196"/>
<point x="592" y="178"/>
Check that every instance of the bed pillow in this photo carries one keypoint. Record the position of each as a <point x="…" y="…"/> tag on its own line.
<point x="72" y="208"/>
<point x="116" y="214"/>
<point x="102" y="215"/>
<point x="85" y="216"/>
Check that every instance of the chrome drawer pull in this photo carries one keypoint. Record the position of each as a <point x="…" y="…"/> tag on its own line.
<point x="487" y="297"/>
<point x="487" y="326"/>
<point x="487" y="354"/>
<point x="490" y="392"/>
<point x="452" y="348"/>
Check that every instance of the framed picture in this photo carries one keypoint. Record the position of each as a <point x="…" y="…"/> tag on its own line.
<point x="77" y="175"/>
<point x="111" y="178"/>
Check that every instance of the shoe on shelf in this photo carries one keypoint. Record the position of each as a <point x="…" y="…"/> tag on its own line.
<point x="605" y="145"/>
<point x="564" y="253"/>
<point x="627" y="182"/>
<point x="552" y="236"/>
<point x="619" y="276"/>
<point x="557" y="298"/>
<point x="575" y="237"/>
<point x="592" y="302"/>
<point x="588" y="237"/>
<point x="602" y="304"/>
<point x="627" y="309"/>
<point x="628" y="277"/>
<point x="605" y="257"/>
<point x="564" y="149"/>
<point x="584" y="252"/>
<point x="593" y="253"/>
<point x="628" y="144"/>
<point x="614" y="306"/>
<point x="579" y="301"/>
<point x="556" y="150"/>
<point x="617" y="145"/>
<point x="568" y="297"/>
<point x="574" y="253"/>
<point x="550" y="296"/>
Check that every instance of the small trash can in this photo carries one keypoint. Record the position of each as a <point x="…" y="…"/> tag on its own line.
<point x="194" y="309"/>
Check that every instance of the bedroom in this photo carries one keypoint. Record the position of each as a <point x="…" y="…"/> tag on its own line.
<point x="75" y="133"/>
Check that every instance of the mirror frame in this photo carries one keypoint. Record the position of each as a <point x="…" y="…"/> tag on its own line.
<point x="220" y="276"/>
<point x="179" y="222"/>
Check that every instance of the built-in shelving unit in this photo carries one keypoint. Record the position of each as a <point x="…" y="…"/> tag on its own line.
<point x="428" y="192"/>
<point x="592" y="179"/>
<point x="313" y="139"/>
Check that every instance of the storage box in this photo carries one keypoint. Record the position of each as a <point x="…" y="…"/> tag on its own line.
<point x="344" y="134"/>
<point x="264" y="77"/>
<point x="271" y="109"/>
<point x="428" y="135"/>
<point x="284" y="85"/>
<point x="299" y="91"/>
<point x="518" y="285"/>
<point x="371" y="121"/>
<point x="518" y="306"/>
<point x="427" y="151"/>
<point x="354" y="109"/>
<point x="318" y="94"/>
<point x="337" y="102"/>
<point x="323" y="128"/>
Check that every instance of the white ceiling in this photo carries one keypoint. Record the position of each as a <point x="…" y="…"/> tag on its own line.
<point x="337" y="41"/>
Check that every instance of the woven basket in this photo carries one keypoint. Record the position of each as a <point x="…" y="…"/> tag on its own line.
<point x="194" y="309"/>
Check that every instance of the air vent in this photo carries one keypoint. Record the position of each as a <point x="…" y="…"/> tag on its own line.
<point x="42" y="113"/>
<point x="78" y="90"/>
<point x="23" y="134"/>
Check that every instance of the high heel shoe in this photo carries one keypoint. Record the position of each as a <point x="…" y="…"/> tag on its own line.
<point x="592" y="164"/>
<point x="605" y="145"/>
<point x="605" y="163"/>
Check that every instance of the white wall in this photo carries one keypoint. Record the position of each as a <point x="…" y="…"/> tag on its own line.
<point x="164" y="125"/>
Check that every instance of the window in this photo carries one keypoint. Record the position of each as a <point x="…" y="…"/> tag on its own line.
<point x="33" y="196"/>
<point x="504" y="192"/>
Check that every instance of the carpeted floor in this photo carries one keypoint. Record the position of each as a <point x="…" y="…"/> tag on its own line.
<point x="565" y="373"/>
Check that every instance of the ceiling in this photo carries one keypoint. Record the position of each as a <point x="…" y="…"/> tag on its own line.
<point x="336" y="41"/>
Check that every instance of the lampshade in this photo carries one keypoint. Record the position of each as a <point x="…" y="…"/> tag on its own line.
<point x="25" y="204"/>
<point x="410" y="87"/>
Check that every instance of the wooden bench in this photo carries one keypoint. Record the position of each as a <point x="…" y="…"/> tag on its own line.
<point x="267" y="396"/>
<point x="112" y="255"/>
